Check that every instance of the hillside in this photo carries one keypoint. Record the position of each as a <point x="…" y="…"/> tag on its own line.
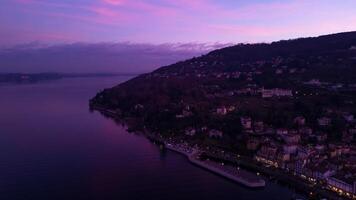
<point x="314" y="54"/>
<point x="270" y="82"/>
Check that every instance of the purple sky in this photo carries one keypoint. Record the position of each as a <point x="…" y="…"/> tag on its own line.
<point x="156" y="22"/>
<point x="162" y="21"/>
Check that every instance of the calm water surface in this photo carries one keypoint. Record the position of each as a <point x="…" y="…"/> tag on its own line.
<point x="53" y="147"/>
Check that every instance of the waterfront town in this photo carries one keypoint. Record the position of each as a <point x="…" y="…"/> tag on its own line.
<point x="291" y="117"/>
<point x="178" y="99"/>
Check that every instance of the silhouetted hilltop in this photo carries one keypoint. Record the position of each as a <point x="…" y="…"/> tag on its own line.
<point x="301" y="52"/>
<point x="325" y="64"/>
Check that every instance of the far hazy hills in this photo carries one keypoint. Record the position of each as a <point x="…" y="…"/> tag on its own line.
<point x="99" y="57"/>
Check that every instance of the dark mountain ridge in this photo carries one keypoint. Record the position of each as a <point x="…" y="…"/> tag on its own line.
<point x="330" y="59"/>
<point x="303" y="48"/>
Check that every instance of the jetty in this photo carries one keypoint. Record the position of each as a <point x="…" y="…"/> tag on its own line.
<point x="235" y="174"/>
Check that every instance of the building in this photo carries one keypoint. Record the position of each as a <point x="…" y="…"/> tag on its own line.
<point x="343" y="184"/>
<point x="190" y="131"/>
<point x="268" y="155"/>
<point x="352" y="131"/>
<point x="283" y="157"/>
<point x="279" y="71"/>
<point x="299" y="167"/>
<point x="348" y="117"/>
<point x="324" y="121"/>
<point x="322" y="172"/>
<point x="185" y="113"/>
<point x="335" y="152"/>
<point x="306" y="131"/>
<point x="300" y="121"/>
<point x="215" y="134"/>
<point x="258" y="126"/>
<point x="252" y="144"/>
<point x="221" y="111"/>
<point x="292" y="70"/>
<point x="282" y="131"/>
<point x="290" y="148"/>
<point x="321" y="137"/>
<point x="268" y="93"/>
<point x="291" y="138"/>
<point x="347" y="137"/>
<point x="204" y="128"/>
<point x="304" y="152"/>
<point x="139" y="107"/>
<point x="231" y="108"/>
<point x="246" y="122"/>
<point x="314" y="82"/>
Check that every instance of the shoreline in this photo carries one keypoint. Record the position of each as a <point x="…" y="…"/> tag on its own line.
<point x="237" y="175"/>
<point x="284" y="177"/>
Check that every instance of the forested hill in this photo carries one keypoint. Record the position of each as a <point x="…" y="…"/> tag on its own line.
<point x="301" y="52"/>
<point x="326" y="63"/>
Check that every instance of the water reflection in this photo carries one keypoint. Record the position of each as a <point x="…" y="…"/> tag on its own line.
<point x="52" y="147"/>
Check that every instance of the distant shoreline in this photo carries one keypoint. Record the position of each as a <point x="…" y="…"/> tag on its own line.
<point x="24" y="78"/>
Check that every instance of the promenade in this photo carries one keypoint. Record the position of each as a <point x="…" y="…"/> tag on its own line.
<point x="235" y="174"/>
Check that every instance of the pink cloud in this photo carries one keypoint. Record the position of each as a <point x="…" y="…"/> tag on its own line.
<point x="198" y="20"/>
<point x="172" y="11"/>
<point x="24" y="1"/>
<point x="104" y="11"/>
<point x="103" y="15"/>
<point x="114" y="2"/>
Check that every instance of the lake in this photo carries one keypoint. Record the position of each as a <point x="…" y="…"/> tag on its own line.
<point x="53" y="147"/>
